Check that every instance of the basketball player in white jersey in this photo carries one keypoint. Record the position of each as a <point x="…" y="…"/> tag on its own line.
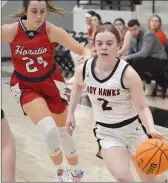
<point x="116" y="93"/>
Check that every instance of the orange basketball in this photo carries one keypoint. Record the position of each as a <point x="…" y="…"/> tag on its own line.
<point x="152" y="157"/>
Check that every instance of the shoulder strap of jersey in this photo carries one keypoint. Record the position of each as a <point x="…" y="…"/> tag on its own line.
<point x="122" y="84"/>
<point x="19" y="30"/>
<point x="84" y="69"/>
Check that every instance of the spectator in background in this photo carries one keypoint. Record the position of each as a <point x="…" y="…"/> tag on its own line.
<point x="146" y="53"/>
<point x="155" y="24"/>
<point x="125" y="36"/>
<point x="96" y="22"/>
<point x="88" y="17"/>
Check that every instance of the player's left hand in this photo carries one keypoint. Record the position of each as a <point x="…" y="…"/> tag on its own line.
<point x="155" y="134"/>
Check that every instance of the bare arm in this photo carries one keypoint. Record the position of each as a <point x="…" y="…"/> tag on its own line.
<point x="8" y="32"/>
<point x="77" y="89"/>
<point x="74" y="100"/>
<point x="126" y="43"/>
<point x="5" y="33"/>
<point x="133" y="82"/>
<point x="60" y="36"/>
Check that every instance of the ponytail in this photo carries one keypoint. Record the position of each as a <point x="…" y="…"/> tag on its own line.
<point x="50" y="7"/>
<point x="17" y="15"/>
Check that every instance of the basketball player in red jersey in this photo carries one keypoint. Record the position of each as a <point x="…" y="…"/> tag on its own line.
<point x="37" y="82"/>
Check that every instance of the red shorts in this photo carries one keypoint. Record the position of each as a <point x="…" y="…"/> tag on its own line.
<point x="52" y="89"/>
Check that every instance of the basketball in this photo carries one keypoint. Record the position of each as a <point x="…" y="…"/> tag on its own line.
<point x="152" y="157"/>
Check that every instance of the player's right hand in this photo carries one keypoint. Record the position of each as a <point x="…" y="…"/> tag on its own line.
<point x="70" y="123"/>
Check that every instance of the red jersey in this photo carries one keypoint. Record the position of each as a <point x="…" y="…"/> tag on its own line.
<point x="90" y="31"/>
<point x="36" y="73"/>
<point x="32" y="52"/>
<point x="161" y="35"/>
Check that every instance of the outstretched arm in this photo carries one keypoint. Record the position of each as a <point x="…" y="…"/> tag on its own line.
<point x="60" y="36"/>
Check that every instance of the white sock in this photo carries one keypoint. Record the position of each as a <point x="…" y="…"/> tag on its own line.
<point x="75" y="170"/>
<point x="60" y="167"/>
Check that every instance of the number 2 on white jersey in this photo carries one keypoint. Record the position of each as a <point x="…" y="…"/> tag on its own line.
<point x="105" y="106"/>
<point x="31" y="61"/>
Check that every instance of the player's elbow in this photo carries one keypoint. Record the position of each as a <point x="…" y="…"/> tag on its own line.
<point x="142" y="108"/>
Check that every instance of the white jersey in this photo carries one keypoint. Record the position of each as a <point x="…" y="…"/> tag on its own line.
<point x="111" y="101"/>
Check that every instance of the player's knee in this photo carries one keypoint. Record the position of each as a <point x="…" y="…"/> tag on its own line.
<point x="67" y="143"/>
<point x="51" y="134"/>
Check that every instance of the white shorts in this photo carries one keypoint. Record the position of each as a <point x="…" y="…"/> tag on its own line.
<point x="129" y="136"/>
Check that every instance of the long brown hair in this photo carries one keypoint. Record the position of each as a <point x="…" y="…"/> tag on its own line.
<point x="109" y="28"/>
<point x="50" y="8"/>
<point x="158" y="17"/>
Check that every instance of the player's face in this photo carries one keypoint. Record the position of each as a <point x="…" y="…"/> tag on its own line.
<point x="36" y="13"/>
<point x="106" y="44"/>
<point x="119" y="26"/>
<point x="154" y="23"/>
<point x="134" y="30"/>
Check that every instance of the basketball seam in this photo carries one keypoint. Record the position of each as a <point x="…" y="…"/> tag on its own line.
<point x="160" y="159"/>
<point x="158" y="148"/>
<point x="165" y="154"/>
<point x="159" y="164"/>
<point x="152" y="156"/>
<point x="151" y="149"/>
<point x="145" y="151"/>
<point x="148" y="149"/>
<point x="162" y="152"/>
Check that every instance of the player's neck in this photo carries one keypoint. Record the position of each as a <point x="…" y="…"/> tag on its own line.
<point x="107" y="64"/>
<point x="29" y="27"/>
